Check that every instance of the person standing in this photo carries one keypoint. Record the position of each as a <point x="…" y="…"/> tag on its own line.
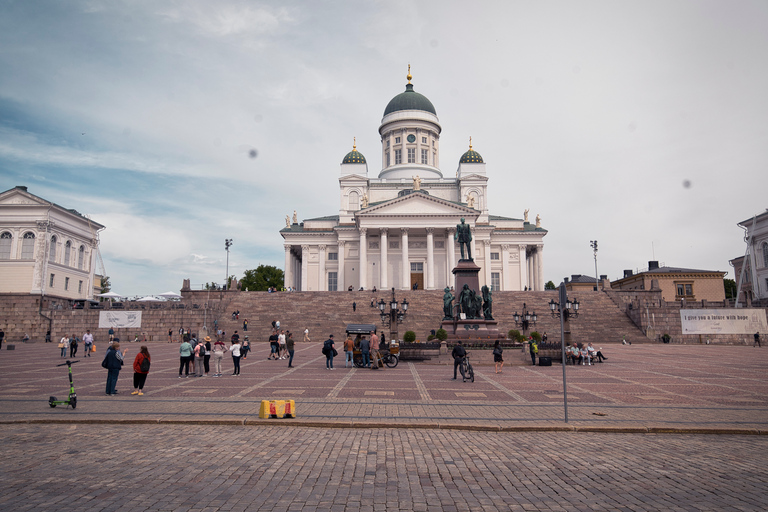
<point x="375" y="356"/>
<point x="48" y="336"/>
<point x="273" y="345"/>
<point x="458" y="354"/>
<point x="328" y="350"/>
<point x="140" y="370"/>
<point x="2" y="337"/>
<point x="235" y="338"/>
<point x="354" y="307"/>
<point x="111" y="334"/>
<point x="64" y="345"/>
<point x="281" y="348"/>
<point x="245" y="324"/>
<point x="73" y="346"/>
<point x="207" y="359"/>
<point x="289" y="345"/>
<point x="199" y="357"/>
<point x="533" y="349"/>
<point x="757" y="340"/>
<point x="113" y="361"/>
<point x="170" y="336"/>
<point x="365" y="351"/>
<point x="88" y="342"/>
<point x="349" y="352"/>
<point x="246" y="347"/>
<point x="185" y="352"/>
<point x="235" y="349"/>
<point x="497" y="359"/>
<point x="219" y="349"/>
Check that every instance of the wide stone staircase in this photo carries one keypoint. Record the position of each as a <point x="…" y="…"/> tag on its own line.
<point x="599" y="320"/>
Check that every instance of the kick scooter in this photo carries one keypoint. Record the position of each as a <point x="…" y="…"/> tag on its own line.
<point x="72" y="395"/>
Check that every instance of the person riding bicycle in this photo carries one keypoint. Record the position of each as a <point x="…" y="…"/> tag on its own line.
<point x="458" y="356"/>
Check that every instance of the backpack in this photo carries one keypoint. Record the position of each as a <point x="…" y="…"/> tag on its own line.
<point x="327" y="347"/>
<point x="144" y="366"/>
<point x="104" y="362"/>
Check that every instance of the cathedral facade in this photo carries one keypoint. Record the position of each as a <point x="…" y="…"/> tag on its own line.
<point x="397" y="230"/>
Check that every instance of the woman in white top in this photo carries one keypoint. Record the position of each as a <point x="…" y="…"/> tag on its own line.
<point x="64" y="343"/>
<point x="235" y="349"/>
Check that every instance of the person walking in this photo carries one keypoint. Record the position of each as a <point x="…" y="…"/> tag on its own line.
<point x="219" y="349"/>
<point x="185" y="352"/>
<point x="245" y="324"/>
<point x="349" y="352"/>
<point x="246" y="347"/>
<point x="306" y="335"/>
<point x="757" y="340"/>
<point x="281" y="350"/>
<point x="328" y="350"/>
<point x="73" y="346"/>
<point x="273" y="345"/>
<point x="289" y="345"/>
<point x="354" y="307"/>
<point x="111" y="334"/>
<point x="235" y="349"/>
<point x="113" y="361"/>
<point x="87" y="342"/>
<point x="375" y="355"/>
<point x="140" y="370"/>
<point x="199" y="357"/>
<point x="64" y="345"/>
<point x="497" y="359"/>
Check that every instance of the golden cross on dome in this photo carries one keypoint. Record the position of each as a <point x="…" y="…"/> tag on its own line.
<point x="409" y="77"/>
<point x="470" y="143"/>
<point x="354" y="143"/>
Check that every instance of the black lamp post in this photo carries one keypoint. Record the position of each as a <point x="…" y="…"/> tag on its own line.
<point x="565" y="309"/>
<point x="525" y="319"/>
<point x="227" y="245"/>
<point x="394" y="316"/>
<point x="569" y="309"/>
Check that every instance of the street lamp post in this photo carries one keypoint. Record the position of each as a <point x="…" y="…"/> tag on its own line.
<point x="593" y="245"/>
<point x="394" y="316"/>
<point x="227" y="245"/>
<point x="525" y="319"/>
<point x="564" y="309"/>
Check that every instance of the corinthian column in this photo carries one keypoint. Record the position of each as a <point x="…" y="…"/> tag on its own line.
<point x="322" y="284"/>
<point x="430" y="259"/>
<point x="384" y="247"/>
<point x="304" y="263"/>
<point x="540" y="267"/>
<point x="288" y="278"/>
<point x="363" y="258"/>
<point x="340" y="278"/>
<point x="406" y="263"/>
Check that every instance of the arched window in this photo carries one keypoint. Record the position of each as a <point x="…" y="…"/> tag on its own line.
<point x="28" y="246"/>
<point x="765" y="254"/>
<point x="52" y="250"/>
<point x="5" y="245"/>
<point x="354" y="200"/>
<point x="80" y="257"/>
<point x="67" y="252"/>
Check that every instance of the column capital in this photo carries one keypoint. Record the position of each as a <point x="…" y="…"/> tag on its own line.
<point x="450" y="231"/>
<point x="504" y="247"/>
<point x="287" y="248"/>
<point x="321" y="247"/>
<point x="383" y="231"/>
<point x="305" y="248"/>
<point x="342" y="242"/>
<point x="363" y="231"/>
<point x="430" y="230"/>
<point x="487" y="243"/>
<point x="522" y="247"/>
<point x="404" y="230"/>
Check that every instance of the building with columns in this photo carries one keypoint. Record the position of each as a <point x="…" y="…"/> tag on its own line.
<point x="396" y="230"/>
<point x="46" y="249"/>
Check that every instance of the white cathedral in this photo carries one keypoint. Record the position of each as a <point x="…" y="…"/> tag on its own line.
<point x="397" y="230"/>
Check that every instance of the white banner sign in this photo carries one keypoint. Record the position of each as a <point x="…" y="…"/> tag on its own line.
<point x="119" y="319"/>
<point x="723" y="321"/>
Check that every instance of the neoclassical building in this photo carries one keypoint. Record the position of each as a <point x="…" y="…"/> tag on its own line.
<point x="45" y="249"/>
<point x="396" y="230"/>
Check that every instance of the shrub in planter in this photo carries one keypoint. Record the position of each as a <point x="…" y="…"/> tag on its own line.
<point x="409" y="337"/>
<point x="536" y="336"/>
<point x="666" y="338"/>
<point x="442" y="334"/>
<point x="430" y="337"/>
<point x="515" y="335"/>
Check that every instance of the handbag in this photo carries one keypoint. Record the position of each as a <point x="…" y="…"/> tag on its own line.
<point x="61" y="345"/>
<point x="335" y="352"/>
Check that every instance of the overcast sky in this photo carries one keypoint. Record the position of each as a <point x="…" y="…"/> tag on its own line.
<point x="641" y="124"/>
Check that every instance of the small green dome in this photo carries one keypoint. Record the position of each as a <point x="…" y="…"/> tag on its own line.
<point x="354" y="156"/>
<point x="409" y="100"/>
<point x="471" y="157"/>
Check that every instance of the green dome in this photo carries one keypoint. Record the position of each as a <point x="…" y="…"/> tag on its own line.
<point x="354" y="157"/>
<point x="471" y="157"/>
<point x="409" y="100"/>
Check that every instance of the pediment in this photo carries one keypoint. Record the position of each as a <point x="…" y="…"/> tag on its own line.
<point x="414" y="205"/>
<point x="15" y="196"/>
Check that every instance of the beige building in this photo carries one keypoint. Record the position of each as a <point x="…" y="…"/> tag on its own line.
<point x="676" y="283"/>
<point x="45" y="249"/>
<point x="396" y="229"/>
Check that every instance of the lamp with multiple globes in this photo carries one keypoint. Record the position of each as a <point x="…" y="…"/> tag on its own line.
<point x="395" y="315"/>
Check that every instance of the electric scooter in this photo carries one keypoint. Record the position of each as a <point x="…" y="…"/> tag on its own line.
<point x="72" y="395"/>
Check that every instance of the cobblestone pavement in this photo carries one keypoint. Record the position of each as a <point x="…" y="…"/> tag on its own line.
<point x="640" y="388"/>
<point x="228" y="468"/>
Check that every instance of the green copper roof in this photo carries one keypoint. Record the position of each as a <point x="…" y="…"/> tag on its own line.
<point x="471" y="157"/>
<point x="409" y="100"/>
<point x="354" y="157"/>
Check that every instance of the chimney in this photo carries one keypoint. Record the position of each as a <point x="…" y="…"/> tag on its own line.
<point x="603" y="277"/>
<point x="653" y="265"/>
<point x="627" y="273"/>
<point x="565" y="280"/>
<point x="574" y="277"/>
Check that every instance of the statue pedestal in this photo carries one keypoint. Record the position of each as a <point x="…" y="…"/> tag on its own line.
<point x="477" y="329"/>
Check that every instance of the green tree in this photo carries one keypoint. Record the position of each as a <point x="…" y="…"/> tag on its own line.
<point x="550" y="286"/>
<point x="105" y="285"/>
<point x="730" y="288"/>
<point x="442" y="334"/>
<point x="261" y="278"/>
<point x="409" y="337"/>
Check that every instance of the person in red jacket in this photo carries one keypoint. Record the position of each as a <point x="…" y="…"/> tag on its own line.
<point x="140" y="370"/>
